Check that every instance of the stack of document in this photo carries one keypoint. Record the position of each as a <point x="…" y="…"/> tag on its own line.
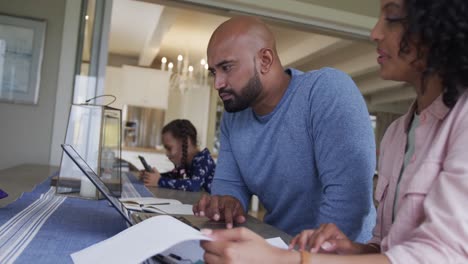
<point x="142" y="241"/>
<point x="161" y="236"/>
<point x="157" y="205"/>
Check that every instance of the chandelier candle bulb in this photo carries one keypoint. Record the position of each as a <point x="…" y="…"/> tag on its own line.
<point x="179" y="63"/>
<point x="190" y="69"/>
<point x="188" y="75"/>
<point x="163" y="63"/>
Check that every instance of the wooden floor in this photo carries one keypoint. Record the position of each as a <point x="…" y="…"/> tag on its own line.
<point x="22" y="178"/>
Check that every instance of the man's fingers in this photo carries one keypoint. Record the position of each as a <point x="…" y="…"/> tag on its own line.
<point x="218" y="208"/>
<point x="231" y="211"/>
<point x="195" y="209"/>
<point x="213" y="210"/>
<point x="240" y="219"/>
<point x="228" y="212"/>
<point x="239" y="214"/>
<point x="202" y="205"/>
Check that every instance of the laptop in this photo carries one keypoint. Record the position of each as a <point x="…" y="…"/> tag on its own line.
<point x="130" y="217"/>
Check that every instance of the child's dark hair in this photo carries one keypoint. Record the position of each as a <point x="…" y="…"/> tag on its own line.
<point x="182" y="129"/>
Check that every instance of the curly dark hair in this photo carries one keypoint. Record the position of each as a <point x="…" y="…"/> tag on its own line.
<point x="441" y="30"/>
<point x="182" y="129"/>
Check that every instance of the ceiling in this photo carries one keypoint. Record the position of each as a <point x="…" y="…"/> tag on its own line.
<point x="365" y="7"/>
<point x="148" y="31"/>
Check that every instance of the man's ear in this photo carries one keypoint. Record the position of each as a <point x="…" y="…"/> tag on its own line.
<point x="266" y="60"/>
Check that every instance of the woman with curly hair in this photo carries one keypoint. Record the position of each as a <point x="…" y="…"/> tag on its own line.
<point x="194" y="169"/>
<point x="423" y="167"/>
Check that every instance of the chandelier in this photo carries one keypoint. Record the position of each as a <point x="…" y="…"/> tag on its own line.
<point x="186" y="76"/>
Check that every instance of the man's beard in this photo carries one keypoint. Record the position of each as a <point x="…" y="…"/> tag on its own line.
<point x="247" y="95"/>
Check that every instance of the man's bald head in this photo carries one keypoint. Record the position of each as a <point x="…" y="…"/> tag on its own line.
<point x="246" y="30"/>
<point x="247" y="71"/>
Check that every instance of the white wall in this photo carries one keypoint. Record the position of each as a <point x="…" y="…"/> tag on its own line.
<point x="150" y="88"/>
<point x="137" y="86"/>
<point x="145" y="87"/>
<point x="26" y="130"/>
<point x="114" y="85"/>
<point x="193" y="105"/>
<point x="65" y="78"/>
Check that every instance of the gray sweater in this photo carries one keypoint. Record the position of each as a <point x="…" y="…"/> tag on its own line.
<point x="310" y="161"/>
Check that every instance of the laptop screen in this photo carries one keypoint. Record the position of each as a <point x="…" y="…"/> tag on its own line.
<point x="94" y="178"/>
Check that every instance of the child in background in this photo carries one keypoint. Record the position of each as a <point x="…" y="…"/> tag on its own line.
<point x="194" y="169"/>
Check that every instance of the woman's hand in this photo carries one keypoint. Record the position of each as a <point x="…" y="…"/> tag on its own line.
<point x="240" y="245"/>
<point x="151" y="178"/>
<point x="327" y="239"/>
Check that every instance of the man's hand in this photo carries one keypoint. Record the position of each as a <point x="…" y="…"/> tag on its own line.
<point x="218" y="208"/>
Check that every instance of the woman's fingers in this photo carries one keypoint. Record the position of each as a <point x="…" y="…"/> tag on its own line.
<point x="320" y="239"/>
<point x="329" y="238"/>
<point x="301" y="239"/>
<point x="237" y="245"/>
<point x="324" y="233"/>
<point x="235" y="234"/>
<point x="211" y="258"/>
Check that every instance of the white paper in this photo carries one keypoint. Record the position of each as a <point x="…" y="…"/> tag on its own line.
<point x="277" y="242"/>
<point x="139" y="242"/>
<point x="160" y="234"/>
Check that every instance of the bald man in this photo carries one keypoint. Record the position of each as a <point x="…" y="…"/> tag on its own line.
<point x="301" y="142"/>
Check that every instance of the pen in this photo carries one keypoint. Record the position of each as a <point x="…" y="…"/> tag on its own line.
<point x="141" y="205"/>
<point x="133" y="210"/>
